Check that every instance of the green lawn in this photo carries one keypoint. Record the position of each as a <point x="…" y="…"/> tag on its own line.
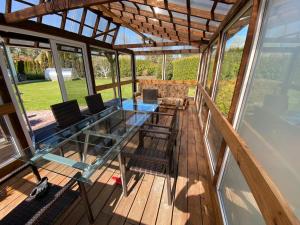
<point x="40" y="95"/>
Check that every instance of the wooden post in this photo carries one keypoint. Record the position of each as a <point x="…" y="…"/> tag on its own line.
<point x="133" y="69"/>
<point x="90" y="63"/>
<point x="118" y="75"/>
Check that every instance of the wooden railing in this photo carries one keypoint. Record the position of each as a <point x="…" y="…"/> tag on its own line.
<point x="112" y="85"/>
<point x="273" y="206"/>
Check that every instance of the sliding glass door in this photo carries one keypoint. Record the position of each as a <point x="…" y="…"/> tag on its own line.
<point x="72" y="71"/>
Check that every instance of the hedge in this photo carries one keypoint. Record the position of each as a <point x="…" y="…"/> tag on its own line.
<point x="185" y="68"/>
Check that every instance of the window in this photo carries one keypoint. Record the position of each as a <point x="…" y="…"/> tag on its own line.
<point x="104" y="66"/>
<point x="234" y="41"/>
<point x="126" y="75"/>
<point x="239" y="205"/>
<point x="269" y="121"/>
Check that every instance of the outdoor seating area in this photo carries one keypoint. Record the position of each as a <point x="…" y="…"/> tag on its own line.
<point x="149" y="112"/>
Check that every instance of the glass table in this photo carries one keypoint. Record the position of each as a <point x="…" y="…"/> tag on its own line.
<point x="84" y="150"/>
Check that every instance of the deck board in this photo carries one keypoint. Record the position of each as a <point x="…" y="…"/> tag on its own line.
<point x="147" y="200"/>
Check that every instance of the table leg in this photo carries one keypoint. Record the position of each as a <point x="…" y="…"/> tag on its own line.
<point x="123" y="175"/>
<point x="86" y="202"/>
<point x="36" y="172"/>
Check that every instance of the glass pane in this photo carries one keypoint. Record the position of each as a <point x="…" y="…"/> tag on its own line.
<point x="104" y="65"/>
<point x="211" y="61"/>
<point x="8" y="147"/>
<point x="73" y="71"/>
<point x="214" y="138"/>
<point x="90" y="18"/>
<point x="52" y="20"/>
<point x="125" y="67"/>
<point x="75" y="14"/>
<point x="127" y="91"/>
<point x="2" y="7"/>
<point x="235" y="38"/>
<point x="149" y="67"/>
<point x="238" y="202"/>
<point x="72" y="26"/>
<point x="127" y="36"/>
<point x="126" y="74"/>
<point x="270" y="123"/>
<point x="36" y="81"/>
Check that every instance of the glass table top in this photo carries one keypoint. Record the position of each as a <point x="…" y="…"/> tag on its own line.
<point x="139" y="105"/>
<point x="90" y="145"/>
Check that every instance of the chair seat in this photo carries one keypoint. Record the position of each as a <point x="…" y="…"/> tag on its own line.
<point x="147" y="161"/>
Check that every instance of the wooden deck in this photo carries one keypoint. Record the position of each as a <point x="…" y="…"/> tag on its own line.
<point x="147" y="199"/>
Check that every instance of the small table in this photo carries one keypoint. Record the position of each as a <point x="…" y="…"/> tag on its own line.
<point x="84" y="150"/>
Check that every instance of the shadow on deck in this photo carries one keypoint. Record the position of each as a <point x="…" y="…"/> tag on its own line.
<point x="147" y="199"/>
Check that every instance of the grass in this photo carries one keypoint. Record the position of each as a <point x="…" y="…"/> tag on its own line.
<point x="40" y="95"/>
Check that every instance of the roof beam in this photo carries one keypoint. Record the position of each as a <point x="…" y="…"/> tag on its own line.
<point x="157" y="44"/>
<point x="197" y="12"/>
<point x="117" y="19"/>
<point x="49" y="8"/>
<point x="182" y="51"/>
<point x="161" y="17"/>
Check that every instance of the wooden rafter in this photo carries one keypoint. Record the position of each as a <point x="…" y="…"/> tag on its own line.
<point x="197" y="12"/>
<point x="118" y="20"/>
<point x="161" y="52"/>
<point x="157" y="44"/>
<point x="50" y="7"/>
<point x="160" y="17"/>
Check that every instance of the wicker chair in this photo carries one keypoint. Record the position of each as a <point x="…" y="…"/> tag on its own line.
<point x="95" y="103"/>
<point x="154" y="161"/>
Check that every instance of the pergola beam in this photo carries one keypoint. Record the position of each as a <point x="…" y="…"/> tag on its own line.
<point x="117" y="19"/>
<point x="162" y="18"/>
<point x="197" y="12"/>
<point x="53" y="6"/>
<point x="181" y="51"/>
<point x="157" y="44"/>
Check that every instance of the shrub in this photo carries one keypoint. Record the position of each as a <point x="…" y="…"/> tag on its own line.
<point x="35" y="76"/>
<point x="185" y="68"/>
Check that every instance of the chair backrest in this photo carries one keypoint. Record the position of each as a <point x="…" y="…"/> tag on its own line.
<point x="66" y="113"/>
<point x="150" y="95"/>
<point x="95" y="103"/>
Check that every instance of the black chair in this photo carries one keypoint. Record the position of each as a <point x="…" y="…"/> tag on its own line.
<point x="95" y="103"/>
<point x="66" y="113"/>
<point x="151" y="160"/>
<point x="150" y="95"/>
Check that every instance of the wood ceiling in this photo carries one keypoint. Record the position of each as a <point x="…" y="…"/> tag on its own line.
<point x="186" y="22"/>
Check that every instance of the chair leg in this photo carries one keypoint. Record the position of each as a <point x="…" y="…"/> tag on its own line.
<point x="123" y="174"/>
<point x="169" y="189"/>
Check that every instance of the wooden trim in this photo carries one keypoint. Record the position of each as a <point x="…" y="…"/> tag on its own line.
<point x="82" y="21"/>
<point x="275" y="209"/>
<point x="112" y="85"/>
<point x="50" y="7"/>
<point x="7" y="108"/>
<point x="240" y="79"/>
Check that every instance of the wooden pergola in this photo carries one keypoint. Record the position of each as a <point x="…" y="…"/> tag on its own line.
<point x="177" y="23"/>
<point x="168" y="27"/>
